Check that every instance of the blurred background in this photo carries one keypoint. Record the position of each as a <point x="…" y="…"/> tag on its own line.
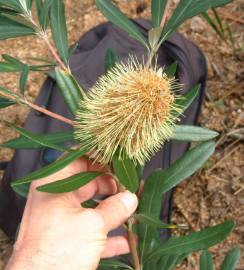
<point x="216" y="192"/>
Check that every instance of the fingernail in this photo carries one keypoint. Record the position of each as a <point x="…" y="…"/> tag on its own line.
<point x="129" y="200"/>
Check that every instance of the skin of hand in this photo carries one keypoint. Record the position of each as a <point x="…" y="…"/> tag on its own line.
<point x="56" y="233"/>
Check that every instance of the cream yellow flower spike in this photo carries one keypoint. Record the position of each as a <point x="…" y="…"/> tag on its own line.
<point x="129" y="107"/>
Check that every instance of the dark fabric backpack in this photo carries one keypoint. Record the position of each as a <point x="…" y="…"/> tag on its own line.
<point x="87" y="64"/>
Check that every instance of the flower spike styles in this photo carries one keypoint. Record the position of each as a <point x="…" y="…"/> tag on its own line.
<point x="129" y="108"/>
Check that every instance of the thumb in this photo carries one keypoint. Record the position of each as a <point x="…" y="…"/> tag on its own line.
<point x="116" y="209"/>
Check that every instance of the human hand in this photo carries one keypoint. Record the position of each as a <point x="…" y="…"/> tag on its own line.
<point x="57" y="233"/>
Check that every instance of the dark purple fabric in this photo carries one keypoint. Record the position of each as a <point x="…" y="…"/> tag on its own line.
<point x="87" y="64"/>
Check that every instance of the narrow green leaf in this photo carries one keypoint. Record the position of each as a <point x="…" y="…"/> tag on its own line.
<point x="9" y="11"/>
<point x="110" y="59"/>
<point x="150" y="204"/>
<point x="39" y="4"/>
<point x="185" y="100"/>
<point x="72" y="49"/>
<point x="184" y="167"/>
<point x="23" y="78"/>
<point x="70" y="89"/>
<point x="187" y="9"/>
<point x="125" y="171"/>
<point x="157" y="10"/>
<point x="7" y="67"/>
<point x="69" y="184"/>
<point x="104" y="264"/>
<point x="110" y="11"/>
<point x="51" y="168"/>
<point x="9" y="93"/>
<point x="45" y="13"/>
<point x="59" y="29"/>
<point x="90" y="204"/>
<point x="193" y="133"/>
<point x="12" y="60"/>
<point x="232" y="259"/>
<point x="194" y="242"/>
<point x="168" y="262"/>
<point x="206" y="261"/>
<point x="11" y="29"/>
<point x="11" y="3"/>
<point x="161" y="181"/>
<point x="53" y="138"/>
<point x="155" y="223"/>
<point x="171" y="70"/>
<point x="5" y="103"/>
<point x="22" y="190"/>
<point x="212" y="23"/>
<point x="219" y="21"/>
<point x="36" y="139"/>
<point x="29" y="4"/>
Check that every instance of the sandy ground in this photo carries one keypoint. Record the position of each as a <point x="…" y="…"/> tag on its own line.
<point x="215" y="193"/>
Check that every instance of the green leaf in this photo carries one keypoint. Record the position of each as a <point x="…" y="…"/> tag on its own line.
<point x="51" y="168"/>
<point x="157" y="10"/>
<point x="193" y="134"/>
<point x="53" y="138"/>
<point x="45" y="13"/>
<point x="12" y="60"/>
<point x="126" y="173"/>
<point x="194" y="242"/>
<point x="70" y="89"/>
<point x="29" y="4"/>
<point x="168" y="262"/>
<point x="8" y="11"/>
<point x="7" y="67"/>
<point x="171" y="70"/>
<point x="11" y="29"/>
<point x="160" y="181"/>
<point x="59" y="29"/>
<point x="39" y="4"/>
<point x="9" y="93"/>
<point x="184" y="167"/>
<point x="11" y="3"/>
<point x="69" y="184"/>
<point x="110" y="59"/>
<point x="36" y="139"/>
<point x="5" y="103"/>
<point x="155" y="223"/>
<point x="90" y="204"/>
<point x="104" y="264"/>
<point x="187" y="9"/>
<point x="232" y="259"/>
<point x="72" y="49"/>
<point x="22" y="190"/>
<point x="110" y="11"/>
<point x="150" y="204"/>
<point x="23" y="78"/>
<point x="185" y="100"/>
<point x="206" y="261"/>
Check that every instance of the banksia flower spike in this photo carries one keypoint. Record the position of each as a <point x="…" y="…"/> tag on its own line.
<point x="130" y="108"/>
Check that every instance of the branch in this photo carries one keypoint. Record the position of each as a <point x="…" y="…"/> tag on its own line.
<point x="38" y="108"/>
<point x="132" y="244"/>
<point x="54" y="53"/>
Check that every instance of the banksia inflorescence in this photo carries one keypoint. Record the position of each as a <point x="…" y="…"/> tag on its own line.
<point x="130" y="108"/>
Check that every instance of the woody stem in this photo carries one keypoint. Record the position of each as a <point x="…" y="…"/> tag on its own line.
<point x="132" y="244"/>
<point x="38" y="108"/>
